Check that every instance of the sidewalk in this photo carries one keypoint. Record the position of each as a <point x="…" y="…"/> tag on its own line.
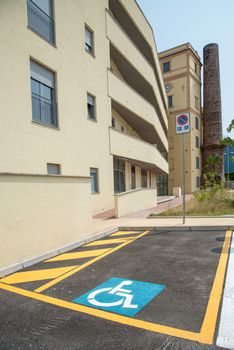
<point x="106" y="221"/>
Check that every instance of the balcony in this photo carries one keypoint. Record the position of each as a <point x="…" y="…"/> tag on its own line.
<point x="126" y="46"/>
<point x="132" y="148"/>
<point x="138" y="112"/>
<point x="44" y="111"/>
<point x="40" y="22"/>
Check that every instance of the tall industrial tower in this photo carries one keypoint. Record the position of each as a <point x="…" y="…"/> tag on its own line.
<point x="212" y="117"/>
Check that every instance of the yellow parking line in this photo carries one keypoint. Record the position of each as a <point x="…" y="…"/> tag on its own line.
<point x="206" y="335"/>
<point x="104" y="314"/>
<point x="78" y="255"/>
<point x="210" y="319"/>
<point x="108" y="241"/>
<point x="81" y="267"/>
<point x="36" y="275"/>
<point x="123" y="233"/>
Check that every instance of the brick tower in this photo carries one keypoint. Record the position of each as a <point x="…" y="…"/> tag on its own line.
<point x="212" y="121"/>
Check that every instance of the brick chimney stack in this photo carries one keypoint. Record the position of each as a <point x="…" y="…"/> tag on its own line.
<point x="212" y="120"/>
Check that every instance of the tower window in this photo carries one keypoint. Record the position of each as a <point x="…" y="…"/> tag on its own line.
<point x="166" y="67"/>
<point x="170" y="101"/>
<point x="197" y="123"/>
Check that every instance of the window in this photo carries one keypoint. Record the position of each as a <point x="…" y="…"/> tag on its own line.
<point x="89" y="46"/>
<point x="94" y="180"/>
<point x="113" y="122"/>
<point x="197" y="163"/>
<point x="170" y="101"/>
<point x="53" y="169"/>
<point x="197" y="181"/>
<point x="143" y="178"/>
<point x="197" y="142"/>
<point x="91" y="107"/>
<point x="119" y="175"/>
<point x="44" y="107"/>
<point x="197" y="123"/>
<point x="166" y="67"/>
<point x="122" y="128"/>
<point x="196" y="102"/>
<point x="133" y="177"/>
<point x="195" y="67"/>
<point x="40" y="18"/>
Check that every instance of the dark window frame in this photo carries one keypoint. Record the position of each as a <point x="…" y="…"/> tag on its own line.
<point x="44" y="109"/>
<point x="119" y="175"/>
<point x="91" y="108"/>
<point x="94" y="171"/>
<point x="55" y="165"/>
<point x="89" y="48"/>
<point x="170" y="101"/>
<point x="197" y="123"/>
<point x="166" y="67"/>
<point x="36" y="15"/>
<point x="144" y="178"/>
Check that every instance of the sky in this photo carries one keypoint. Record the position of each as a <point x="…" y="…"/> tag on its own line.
<point x="199" y="22"/>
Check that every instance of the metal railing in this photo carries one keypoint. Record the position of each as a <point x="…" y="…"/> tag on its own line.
<point x="44" y="110"/>
<point x="40" y="22"/>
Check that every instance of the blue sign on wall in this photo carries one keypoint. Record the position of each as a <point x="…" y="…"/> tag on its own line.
<point x="121" y="296"/>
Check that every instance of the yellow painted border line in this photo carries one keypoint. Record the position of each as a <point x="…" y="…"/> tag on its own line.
<point x="104" y="314"/>
<point x="211" y="315"/>
<point x="205" y="336"/>
<point x="88" y="263"/>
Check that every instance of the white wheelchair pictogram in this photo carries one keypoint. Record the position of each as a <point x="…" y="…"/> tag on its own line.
<point x="125" y="301"/>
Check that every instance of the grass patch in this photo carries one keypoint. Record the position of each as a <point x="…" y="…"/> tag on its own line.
<point x="205" y="203"/>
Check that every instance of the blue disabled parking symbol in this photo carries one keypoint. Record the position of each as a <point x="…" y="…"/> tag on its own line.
<point x="121" y="296"/>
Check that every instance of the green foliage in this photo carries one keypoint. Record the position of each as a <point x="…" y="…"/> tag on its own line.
<point x="213" y="159"/>
<point x="227" y="141"/>
<point x="231" y="126"/>
<point x="210" y="192"/>
<point x="209" y="202"/>
<point x="211" y="178"/>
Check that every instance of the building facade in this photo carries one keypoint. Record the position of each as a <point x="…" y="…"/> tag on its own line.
<point x="83" y="118"/>
<point x="181" y="68"/>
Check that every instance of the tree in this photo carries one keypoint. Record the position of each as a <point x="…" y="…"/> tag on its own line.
<point x="228" y="141"/>
<point x="231" y="126"/>
<point x="211" y="178"/>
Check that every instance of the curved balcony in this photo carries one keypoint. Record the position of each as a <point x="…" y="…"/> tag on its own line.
<point x="132" y="148"/>
<point x="144" y="119"/>
<point x="124" y="44"/>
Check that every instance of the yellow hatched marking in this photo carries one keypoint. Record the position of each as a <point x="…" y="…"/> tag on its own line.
<point x="210" y="319"/>
<point x="206" y="334"/>
<point x="123" y="233"/>
<point x="108" y="241"/>
<point x="79" y="255"/>
<point x="88" y="263"/>
<point x="36" y="275"/>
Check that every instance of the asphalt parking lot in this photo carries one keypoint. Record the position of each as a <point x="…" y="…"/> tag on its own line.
<point x="131" y="290"/>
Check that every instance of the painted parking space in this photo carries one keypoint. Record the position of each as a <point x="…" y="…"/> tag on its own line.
<point x="182" y="273"/>
<point x="113" y="296"/>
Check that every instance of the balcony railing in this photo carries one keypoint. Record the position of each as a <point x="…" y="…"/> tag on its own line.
<point x="44" y="110"/>
<point x="40" y="22"/>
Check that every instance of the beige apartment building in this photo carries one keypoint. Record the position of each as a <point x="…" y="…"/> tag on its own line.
<point x="181" y="68"/>
<point x="83" y="120"/>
